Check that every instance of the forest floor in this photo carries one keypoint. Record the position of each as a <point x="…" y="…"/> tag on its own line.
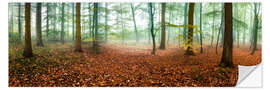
<point x="123" y="65"/>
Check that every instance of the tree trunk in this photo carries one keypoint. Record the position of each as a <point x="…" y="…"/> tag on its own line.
<point x="55" y="20"/>
<point x="221" y="27"/>
<point x="151" y="15"/>
<point x="134" y="22"/>
<point x="226" y="60"/>
<point x="38" y="25"/>
<point x="163" y="27"/>
<point x="122" y="26"/>
<point x="12" y="19"/>
<point x="213" y="27"/>
<point x="73" y="25"/>
<point x="185" y="22"/>
<point x="28" y="45"/>
<point x="106" y="22"/>
<point x="255" y="32"/>
<point x="63" y="23"/>
<point x="47" y="20"/>
<point x="201" y="50"/>
<point x="78" y="47"/>
<point x="19" y="23"/>
<point x="189" y="50"/>
<point x="95" y="17"/>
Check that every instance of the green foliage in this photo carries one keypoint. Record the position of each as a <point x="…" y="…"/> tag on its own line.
<point x="238" y="23"/>
<point x="222" y="73"/>
<point x="88" y="39"/>
<point x="183" y="26"/>
<point x="213" y="13"/>
<point x="14" y="37"/>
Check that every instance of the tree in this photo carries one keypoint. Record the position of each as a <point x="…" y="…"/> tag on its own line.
<point x="134" y="22"/>
<point x="226" y="60"/>
<point x="163" y="27"/>
<point x="201" y="49"/>
<point x="38" y="25"/>
<point x="106" y="22"/>
<point x="189" y="50"/>
<point x="185" y="21"/>
<point x="95" y="18"/>
<point x="122" y="24"/>
<point x="19" y="22"/>
<point x="151" y="15"/>
<point x="213" y="26"/>
<point x="255" y="29"/>
<point x="47" y="19"/>
<point x="221" y="26"/>
<point x="28" y="45"/>
<point x="73" y="25"/>
<point x="63" y="23"/>
<point x="89" y="18"/>
<point x="78" y="47"/>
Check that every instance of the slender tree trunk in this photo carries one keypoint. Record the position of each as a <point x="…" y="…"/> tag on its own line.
<point x="122" y="25"/>
<point x="169" y="28"/>
<point x="226" y="60"/>
<point x="73" y="25"/>
<point x="151" y="13"/>
<point x="213" y="27"/>
<point x="189" y="50"/>
<point x="19" y="22"/>
<point x="63" y="23"/>
<point x="95" y="42"/>
<point x="28" y="45"/>
<point x="78" y="47"/>
<point x="134" y="22"/>
<point x="38" y="25"/>
<point x="163" y="27"/>
<point x="106" y="22"/>
<point x="12" y="19"/>
<point x="47" y="20"/>
<point x="201" y="50"/>
<point x="244" y="34"/>
<point x="255" y="32"/>
<point x="221" y="27"/>
<point x="251" y="28"/>
<point x="185" y="22"/>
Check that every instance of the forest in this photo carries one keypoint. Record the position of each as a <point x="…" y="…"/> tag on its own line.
<point x="126" y="44"/>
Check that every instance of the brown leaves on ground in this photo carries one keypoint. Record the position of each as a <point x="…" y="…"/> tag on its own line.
<point x="123" y="65"/>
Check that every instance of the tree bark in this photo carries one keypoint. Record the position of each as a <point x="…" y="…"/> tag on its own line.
<point x="185" y="22"/>
<point x="201" y="50"/>
<point x="134" y="22"/>
<point x="38" y="25"/>
<point x="95" y="17"/>
<point x="78" y="47"/>
<point x="255" y="28"/>
<point x="19" y="22"/>
<point x="221" y="27"/>
<point x="226" y="60"/>
<point x="189" y="50"/>
<point x="213" y="27"/>
<point x="28" y="45"/>
<point x="163" y="27"/>
<point x="47" y="20"/>
<point x="73" y="25"/>
<point x="151" y="15"/>
<point x="63" y="23"/>
<point x="106" y="22"/>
